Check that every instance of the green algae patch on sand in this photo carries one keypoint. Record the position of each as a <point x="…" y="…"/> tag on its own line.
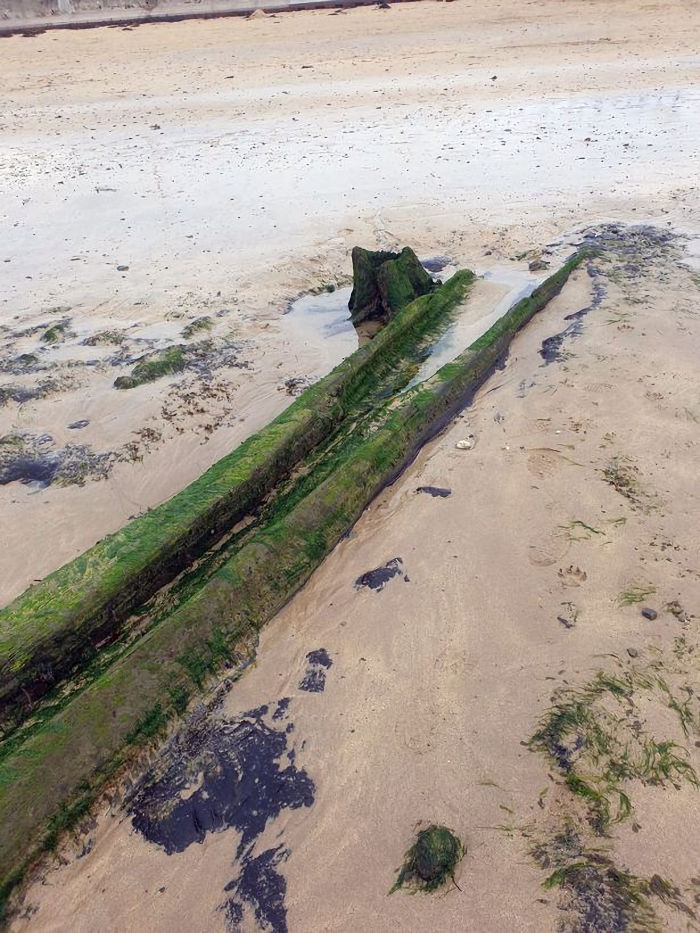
<point x="56" y="333"/>
<point x="53" y="627"/>
<point x="196" y="326"/>
<point x="163" y="363"/>
<point x="431" y="860"/>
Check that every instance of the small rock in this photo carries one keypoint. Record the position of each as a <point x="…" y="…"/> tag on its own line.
<point x="632" y="652"/>
<point x="122" y="268"/>
<point x="538" y="265"/>
<point x="650" y="614"/>
<point x="466" y="444"/>
<point x="77" y="425"/>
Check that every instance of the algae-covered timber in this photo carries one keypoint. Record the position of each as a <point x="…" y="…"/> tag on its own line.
<point x="63" y="763"/>
<point x="384" y="283"/>
<point x="53" y="627"/>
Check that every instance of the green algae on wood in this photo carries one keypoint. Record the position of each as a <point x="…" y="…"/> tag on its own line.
<point x="51" y="628"/>
<point x="144" y="687"/>
<point x="385" y="282"/>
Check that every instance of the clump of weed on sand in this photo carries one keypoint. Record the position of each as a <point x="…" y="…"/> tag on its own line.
<point x="635" y="594"/>
<point x="431" y="860"/>
<point x="197" y="325"/>
<point x="675" y="609"/>
<point x="203" y="357"/>
<point x="104" y="338"/>
<point x="338" y="281"/>
<point x="604" y="897"/>
<point x="623" y="477"/>
<point x="577" y="530"/>
<point x="56" y="333"/>
<point x="601" y="744"/>
<point x="595" y="737"/>
<point x="152" y="367"/>
<point x="35" y="460"/>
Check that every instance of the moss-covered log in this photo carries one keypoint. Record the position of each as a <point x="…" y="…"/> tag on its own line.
<point x="70" y="755"/>
<point x="53" y="627"/>
<point x="384" y="283"/>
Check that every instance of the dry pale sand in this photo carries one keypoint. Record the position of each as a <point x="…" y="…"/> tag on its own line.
<point x="232" y="164"/>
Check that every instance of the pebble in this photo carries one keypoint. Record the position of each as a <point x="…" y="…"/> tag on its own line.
<point x="466" y="444"/>
<point x="650" y="614"/>
<point x="122" y="268"/>
<point x="632" y="652"/>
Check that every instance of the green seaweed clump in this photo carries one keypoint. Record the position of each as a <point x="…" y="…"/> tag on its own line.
<point x="163" y="363"/>
<point x="56" y="333"/>
<point x="598" y="895"/>
<point x="431" y="860"/>
<point x="199" y="323"/>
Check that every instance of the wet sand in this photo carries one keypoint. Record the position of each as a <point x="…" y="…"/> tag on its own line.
<point x="230" y="165"/>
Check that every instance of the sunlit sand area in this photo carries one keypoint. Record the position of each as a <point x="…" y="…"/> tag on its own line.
<point x="419" y="652"/>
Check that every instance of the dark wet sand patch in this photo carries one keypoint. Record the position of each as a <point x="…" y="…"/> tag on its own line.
<point x="317" y="663"/>
<point x="217" y="775"/>
<point x="378" y="578"/>
<point x="242" y="776"/>
<point x="437" y="492"/>
<point x="33" y="460"/>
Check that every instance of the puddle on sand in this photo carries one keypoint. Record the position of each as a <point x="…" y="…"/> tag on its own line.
<point x="437" y="492"/>
<point x="245" y="776"/>
<point x="320" y="325"/>
<point x="552" y="349"/>
<point x="218" y="774"/>
<point x="319" y="330"/>
<point x="465" y="329"/>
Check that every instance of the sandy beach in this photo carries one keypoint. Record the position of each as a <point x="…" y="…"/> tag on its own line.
<point x="232" y="165"/>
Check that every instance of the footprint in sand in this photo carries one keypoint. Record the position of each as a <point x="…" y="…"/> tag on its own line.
<point x="598" y="387"/>
<point x="572" y="576"/>
<point x="548" y="550"/>
<point x="545" y="461"/>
